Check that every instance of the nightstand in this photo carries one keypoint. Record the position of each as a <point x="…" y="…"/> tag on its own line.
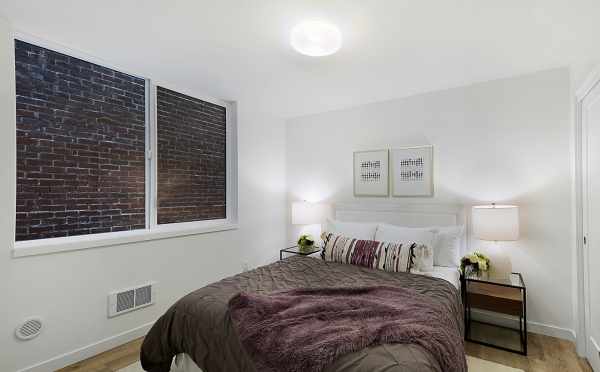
<point x="506" y="296"/>
<point x="296" y="250"/>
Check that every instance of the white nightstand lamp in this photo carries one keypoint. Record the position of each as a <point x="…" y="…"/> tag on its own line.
<point x="496" y="223"/>
<point x="305" y="213"/>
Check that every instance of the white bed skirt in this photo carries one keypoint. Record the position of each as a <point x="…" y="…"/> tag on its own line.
<point x="183" y="363"/>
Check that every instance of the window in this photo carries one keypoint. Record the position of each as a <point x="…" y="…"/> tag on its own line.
<point x="85" y="145"/>
<point x="191" y="158"/>
<point x="80" y="146"/>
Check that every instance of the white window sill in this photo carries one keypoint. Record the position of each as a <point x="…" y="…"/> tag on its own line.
<point x="72" y="243"/>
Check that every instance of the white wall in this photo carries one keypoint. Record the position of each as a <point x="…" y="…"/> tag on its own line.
<point x="500" y="141"/>
<point x="69" y="289"/>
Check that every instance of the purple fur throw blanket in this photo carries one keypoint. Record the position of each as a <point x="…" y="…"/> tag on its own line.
<point x="307" y="329"/>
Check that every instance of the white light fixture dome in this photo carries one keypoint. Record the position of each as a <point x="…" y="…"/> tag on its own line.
<point x="316" y="38"/>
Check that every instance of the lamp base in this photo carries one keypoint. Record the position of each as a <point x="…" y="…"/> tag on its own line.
<point x="500" y="264"/>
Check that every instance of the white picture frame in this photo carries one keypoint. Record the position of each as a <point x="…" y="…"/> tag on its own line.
<point x="412" y="171"/>
<point x="371" y="170"/>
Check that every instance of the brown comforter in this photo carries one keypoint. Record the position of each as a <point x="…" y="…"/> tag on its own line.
<point x="200" y="325"/>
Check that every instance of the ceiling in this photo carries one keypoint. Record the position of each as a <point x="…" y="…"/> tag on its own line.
<point x="239" y="50"/>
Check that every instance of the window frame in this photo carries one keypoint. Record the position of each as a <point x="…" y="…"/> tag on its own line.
<point x="230" y="161"/>
<point x="152" y="230"/>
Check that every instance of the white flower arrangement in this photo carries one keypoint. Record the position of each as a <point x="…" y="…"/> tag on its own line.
<point x="478" y="262"/>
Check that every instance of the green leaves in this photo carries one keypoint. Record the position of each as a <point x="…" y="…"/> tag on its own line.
<point x="306" y="240"/>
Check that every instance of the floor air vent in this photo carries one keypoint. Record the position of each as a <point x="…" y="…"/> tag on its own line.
<point x="129" y="299"/>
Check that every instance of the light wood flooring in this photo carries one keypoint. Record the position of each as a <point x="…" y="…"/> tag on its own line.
<point x="109" y="361"/>
<point x="547" y="354"/>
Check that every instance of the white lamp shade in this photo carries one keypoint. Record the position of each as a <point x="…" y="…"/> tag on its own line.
<point x="305" y="213"/>
<point x="496" y="222"/>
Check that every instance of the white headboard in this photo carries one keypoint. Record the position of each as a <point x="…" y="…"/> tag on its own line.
<point x="406" y="214"/>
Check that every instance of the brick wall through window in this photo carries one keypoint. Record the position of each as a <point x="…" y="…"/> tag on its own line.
<point x="191" y="158"/>
<point x="80" y="146"/>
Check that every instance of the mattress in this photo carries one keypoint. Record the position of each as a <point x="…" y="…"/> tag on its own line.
<point x="450" y="274"/>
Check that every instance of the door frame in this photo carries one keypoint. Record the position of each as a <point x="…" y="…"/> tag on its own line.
<point x="581" y="189"/>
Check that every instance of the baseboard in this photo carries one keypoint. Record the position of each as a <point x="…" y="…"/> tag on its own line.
<point x="594" y="360"/>
<point x="533" y="327"/>
<point x="595" y="344"/>
<point x="96" y="348"/>
<point x="88" y="351"/>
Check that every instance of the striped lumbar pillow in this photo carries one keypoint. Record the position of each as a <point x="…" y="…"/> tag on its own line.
<point x="368" y="253"/>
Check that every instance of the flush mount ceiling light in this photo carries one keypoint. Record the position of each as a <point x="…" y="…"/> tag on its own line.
<point x="316" y="38"/>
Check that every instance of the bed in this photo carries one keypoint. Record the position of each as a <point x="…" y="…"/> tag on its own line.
<point x="198" y="329"/>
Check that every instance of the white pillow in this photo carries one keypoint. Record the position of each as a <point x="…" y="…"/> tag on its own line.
<point x="358" y="230"/>
<point x="446" y="246"/>
<point x="425" y="237"/>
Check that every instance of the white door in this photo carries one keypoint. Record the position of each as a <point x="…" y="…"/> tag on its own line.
<point x="590" y="118"/>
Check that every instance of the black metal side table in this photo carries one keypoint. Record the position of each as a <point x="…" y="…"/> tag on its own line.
<point x="299" y="251"/>
<point x="500" y="295"/>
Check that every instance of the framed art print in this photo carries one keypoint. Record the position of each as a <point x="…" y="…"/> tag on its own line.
<point x="371" y="173"/>
<point x="412" y="171"/>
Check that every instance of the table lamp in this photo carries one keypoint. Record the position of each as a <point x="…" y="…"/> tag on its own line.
<point x="496" y="223"/>
<point x="305" y="213"/>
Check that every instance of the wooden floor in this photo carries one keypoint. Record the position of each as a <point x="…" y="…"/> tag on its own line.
<point x="546" y="354"/>
<point x="109" y="361"/>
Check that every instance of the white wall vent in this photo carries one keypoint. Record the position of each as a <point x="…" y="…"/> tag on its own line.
<point x="128" y="299"/>
<point x="143" y="295"/>
<point x="29" y="329"/>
